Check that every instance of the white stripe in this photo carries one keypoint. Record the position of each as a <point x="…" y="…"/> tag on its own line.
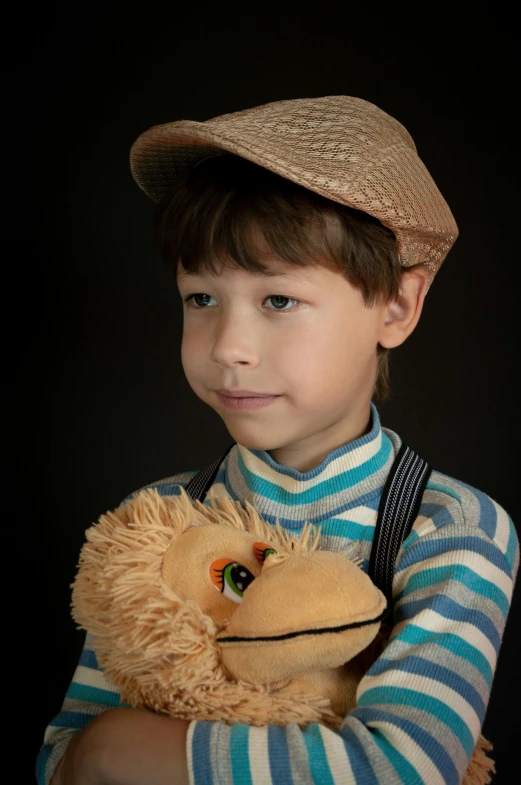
<point x="344" y="462"/>
<point x="363" y="515"/>
<point x="218" y="489"/>
<point x="53" y="734"/>
<point x="402" y="742"/>
<point x="434" y="622"/>
<point x="474" y="561"/>
<point x="423" y="526"/>
<point x="426" y="686"/>
<point x="189" y="760"/>
<point x="502" y="534"/>
<point x="93" y="678"/>
<point x="259" y="756"/>
<point x="337" y="756"/>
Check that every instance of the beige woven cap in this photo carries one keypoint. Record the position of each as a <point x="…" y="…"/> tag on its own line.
<point x="341" y="147"/>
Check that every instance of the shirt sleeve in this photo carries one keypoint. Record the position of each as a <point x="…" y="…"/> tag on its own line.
<point x="421" y="706"/>
<point x="89" y="694"/>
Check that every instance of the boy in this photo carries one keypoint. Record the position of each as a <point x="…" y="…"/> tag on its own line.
<point x="305" y="235"/>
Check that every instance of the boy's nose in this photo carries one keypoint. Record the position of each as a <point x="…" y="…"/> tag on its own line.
<point x="234" y="345"/>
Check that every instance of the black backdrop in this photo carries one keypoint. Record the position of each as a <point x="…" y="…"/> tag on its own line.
<point x="99" y="402"/>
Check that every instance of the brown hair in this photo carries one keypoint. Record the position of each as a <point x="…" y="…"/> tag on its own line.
<point x="229" y="209"/>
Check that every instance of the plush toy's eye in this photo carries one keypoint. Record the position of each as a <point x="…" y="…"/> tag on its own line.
<point x="230" y="578"/>
<point x="261" y="551"/>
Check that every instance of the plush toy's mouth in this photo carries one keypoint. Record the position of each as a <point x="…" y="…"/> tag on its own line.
<point x="298" y="633"/>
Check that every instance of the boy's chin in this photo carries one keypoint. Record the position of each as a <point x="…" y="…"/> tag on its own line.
<point x="253" y="438"/>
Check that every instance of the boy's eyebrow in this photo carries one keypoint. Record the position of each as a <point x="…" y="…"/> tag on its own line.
<point x="267" y="273"/>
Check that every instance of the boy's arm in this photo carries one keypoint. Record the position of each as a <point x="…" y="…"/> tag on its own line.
<point x="95" y="740"/>
<point x="126" y="746"/>
<point x="421" y="706"/>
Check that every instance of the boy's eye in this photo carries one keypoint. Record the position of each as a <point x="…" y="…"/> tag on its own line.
<point x="200" y="300"/>
<point x="194" y="296"/>
<point x="278" y="298"/>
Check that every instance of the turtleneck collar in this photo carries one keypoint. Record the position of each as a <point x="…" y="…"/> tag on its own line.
<point x="348" y="476"/>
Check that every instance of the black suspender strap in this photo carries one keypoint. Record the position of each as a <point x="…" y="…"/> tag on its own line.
<point x="399" y="505"/>
<point x="199" y="485"/>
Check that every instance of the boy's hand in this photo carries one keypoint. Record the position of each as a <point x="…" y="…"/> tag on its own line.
<point x="126" y="747"/>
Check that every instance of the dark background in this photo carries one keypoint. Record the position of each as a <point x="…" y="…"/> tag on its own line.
<point x="98" y="405"/>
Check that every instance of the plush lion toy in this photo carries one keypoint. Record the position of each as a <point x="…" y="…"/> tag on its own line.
<point x="209" y="613"/>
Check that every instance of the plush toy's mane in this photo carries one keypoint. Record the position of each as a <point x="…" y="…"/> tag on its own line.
<point x="148" y="639"/>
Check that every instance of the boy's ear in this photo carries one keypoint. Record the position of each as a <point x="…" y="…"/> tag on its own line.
<point x="401" y="315"/>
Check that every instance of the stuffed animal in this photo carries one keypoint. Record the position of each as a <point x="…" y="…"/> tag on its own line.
<point x="207" y="612"/>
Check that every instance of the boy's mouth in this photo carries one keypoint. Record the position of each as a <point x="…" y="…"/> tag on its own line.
<point x="244" y="394"/>
<point x="242" y="401"/>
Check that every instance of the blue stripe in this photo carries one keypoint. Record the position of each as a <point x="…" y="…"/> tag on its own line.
<point x="360" y="763"/>
<point x="84" y="692"/>
<point x="450" y="609"/>
<point x="220" y="477"/>
<point x="350" y="530"/>
<point x="342" y="481"/>
<point x="370" y="500"/>
<point x="410" y="540"/>
<point x="401" y="696"/>
<point x="166" y="488"/>
<point x="72" y="719"/>
<point x="417" y="636"/>
<point x="278" y="752"/>
<point x="41" y="762"/>
<point x="422" y="667"/>
<point x="435" y="576"/>
<point x="440" y="515"/>
<point x="89" y="660"/>
<point x="437" y="547"/>
<point x="201" y="761"/>
<point x="403" y="768"/>
<point x="317" y="757"/>
<point x="488" y="515"/>
<point x="241" y="772"/>
<point x="510" y="554"/>
<point x="430" y="746"/>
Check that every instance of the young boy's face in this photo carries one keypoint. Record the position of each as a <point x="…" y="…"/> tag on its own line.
<point x="303" y="336"/>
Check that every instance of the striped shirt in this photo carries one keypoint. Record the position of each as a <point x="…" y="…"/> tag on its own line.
<point x="421" y="706"/>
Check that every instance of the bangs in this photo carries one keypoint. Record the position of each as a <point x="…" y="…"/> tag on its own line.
<point x="230" y="212"/>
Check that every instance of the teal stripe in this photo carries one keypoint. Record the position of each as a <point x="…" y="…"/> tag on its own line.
<point x="435" y="486"/>
<point x="84" y="692"/>
<point x="417" y="636"/>
<point x="41" y="763"/>
<point x="323" y="489"/>
<point x="413" y="536"/>
<point x="466" y="576"/>
<point x="317" y="756"/>
<point x="403" y="767"/>
<point x="241" y="772"/>
<point x="351" y="530"/>
<point x="510" y="554"/>
<point x="400" y="696"/>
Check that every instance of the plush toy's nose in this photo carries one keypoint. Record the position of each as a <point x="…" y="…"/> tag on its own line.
<point x="304" y="611"/>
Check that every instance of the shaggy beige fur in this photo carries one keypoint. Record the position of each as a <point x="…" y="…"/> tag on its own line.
<point x="160" y="649"/>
